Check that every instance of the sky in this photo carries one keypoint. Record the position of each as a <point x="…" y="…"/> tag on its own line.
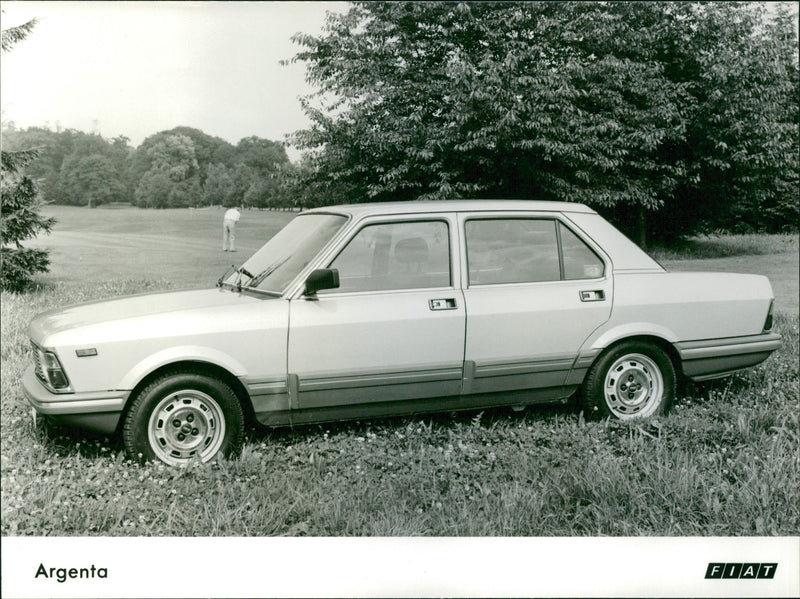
<point x="137" y="68"/>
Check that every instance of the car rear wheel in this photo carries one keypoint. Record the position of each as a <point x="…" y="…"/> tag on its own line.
<point x="634" y="379"/>
<point x="184" y="417"/>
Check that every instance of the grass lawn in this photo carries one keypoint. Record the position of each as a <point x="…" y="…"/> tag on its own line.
<point x="184" y="247"/>
<point x="775" y="256"/>
<point x="723" y="462"/>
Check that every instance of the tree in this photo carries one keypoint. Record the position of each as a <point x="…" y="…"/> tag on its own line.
<point x="153" y="190"/>
<point x="13" y="35"/>
<point x="243" y="178"/>
<point x="258" y="170"/>
<point x="208" y="150"/>
<point x="218" y="189"/>
<point x="609" y="104"/>
<point x="745" y="137"/>
<point x="263" y="193"/>
<point x="262" y="155"/>
<point x="61" y="156"/>
<point x="172" y="181"/>
<point x="20" y="217"/>
<point x="252" y="159"/>
<point x="120" y="154"/>
<point x="92" y="180"/>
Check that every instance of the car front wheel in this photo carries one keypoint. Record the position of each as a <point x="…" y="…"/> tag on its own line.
<point x="184" y="417"/>
<point x="634" y="379"/>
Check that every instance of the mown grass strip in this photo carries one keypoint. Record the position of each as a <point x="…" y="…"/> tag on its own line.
<point x="727" y="245"/>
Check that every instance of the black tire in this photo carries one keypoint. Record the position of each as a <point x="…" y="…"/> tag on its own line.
<point x="634" y="379"/>
<point x="182" y="417"/>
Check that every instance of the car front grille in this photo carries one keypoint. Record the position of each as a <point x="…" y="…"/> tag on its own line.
<point x="37" y="362"/>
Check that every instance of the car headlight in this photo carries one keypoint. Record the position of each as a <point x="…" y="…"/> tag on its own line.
<point x="49" y="370"/>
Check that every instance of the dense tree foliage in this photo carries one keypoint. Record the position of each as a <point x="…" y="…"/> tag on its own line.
<point x="74" y="167"/>
<point x="173" y="176"/>
<point x="219" y="187"/>
<point x="175" y="168"/>
<point x="206" y="150"/>
<point x="680" y="113"/>
<point x="20" y="219"/>
<point x="20" y="204"/>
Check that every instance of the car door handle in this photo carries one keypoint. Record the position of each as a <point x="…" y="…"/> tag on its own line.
<point x="593" y="295"/>
<point x="442" y="304"/>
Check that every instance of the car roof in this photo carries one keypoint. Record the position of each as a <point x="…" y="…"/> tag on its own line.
<point x="422" y="207"/>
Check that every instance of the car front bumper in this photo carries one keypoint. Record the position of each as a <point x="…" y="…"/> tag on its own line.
<point x="713" y="358"/>
<point x="96" y="411"/>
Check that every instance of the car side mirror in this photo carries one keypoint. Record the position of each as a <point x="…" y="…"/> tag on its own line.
<point x="322" y="278"/>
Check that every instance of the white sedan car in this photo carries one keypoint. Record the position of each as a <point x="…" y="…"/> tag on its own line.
<point x="398" y="308"/>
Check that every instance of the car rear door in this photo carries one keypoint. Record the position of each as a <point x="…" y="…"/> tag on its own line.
<point x="534" y="289"/>
<point x="394" y="329"/>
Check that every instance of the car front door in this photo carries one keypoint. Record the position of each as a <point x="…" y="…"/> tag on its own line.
<point x="534" y="291"/>
<point x="393" y="330"/>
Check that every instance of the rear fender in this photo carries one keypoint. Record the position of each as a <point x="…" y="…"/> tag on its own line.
<point x="595" y="345"/>
<point x="627" y="330"/>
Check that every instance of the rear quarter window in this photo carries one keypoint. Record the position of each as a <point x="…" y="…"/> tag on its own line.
<point x="580" y="261"/>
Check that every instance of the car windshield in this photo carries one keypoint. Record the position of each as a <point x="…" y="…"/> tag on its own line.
<point x="282" y="258"/>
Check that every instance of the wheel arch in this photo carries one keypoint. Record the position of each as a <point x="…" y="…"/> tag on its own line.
<point x="197" y="367"/>
<point x="606" y="338"/>
<point x="660" y="342"/>
<point x="591" y="387"/>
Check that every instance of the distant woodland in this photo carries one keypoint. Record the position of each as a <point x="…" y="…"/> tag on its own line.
<point x="181" y="167"/>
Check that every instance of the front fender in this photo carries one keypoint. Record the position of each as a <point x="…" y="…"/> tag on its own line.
<point x="190" y="353"/>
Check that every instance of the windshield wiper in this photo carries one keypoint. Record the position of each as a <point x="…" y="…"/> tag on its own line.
<point x="239" y="271"/>
<point x="259" y="278"/>
<point x="224" y="275"/>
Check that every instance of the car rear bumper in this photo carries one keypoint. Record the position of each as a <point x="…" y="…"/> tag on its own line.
<point x="97" y="411"/>
<point x="713" y="358"/>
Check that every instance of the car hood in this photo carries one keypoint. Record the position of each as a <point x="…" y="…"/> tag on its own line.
<point x="90" y="314"/>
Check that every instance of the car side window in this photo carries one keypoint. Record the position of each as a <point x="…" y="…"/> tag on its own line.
<point x="527" y="250"/>
<point x="580" y="262"/>
<point x="403" y="255"/>
<point x="512" y="251"/>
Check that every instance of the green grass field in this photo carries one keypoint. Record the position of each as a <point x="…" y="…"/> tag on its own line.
<point x="723" y="462"/>
<point x="184" y="247"/>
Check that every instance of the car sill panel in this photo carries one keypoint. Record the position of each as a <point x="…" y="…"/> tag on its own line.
<point x="417" y="406"/>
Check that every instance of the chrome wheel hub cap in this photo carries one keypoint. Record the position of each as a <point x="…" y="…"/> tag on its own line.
<point x="186" y="425"/>
<point x="633" y="386"/>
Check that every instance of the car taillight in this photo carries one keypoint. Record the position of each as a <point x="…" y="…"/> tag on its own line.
<point x="768" y="321"/>
<point x="49" y="369"/>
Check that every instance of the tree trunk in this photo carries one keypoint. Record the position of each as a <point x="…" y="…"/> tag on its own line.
<point x="641" y="228"/>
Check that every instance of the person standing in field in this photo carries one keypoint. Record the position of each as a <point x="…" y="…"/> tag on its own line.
<point x="232" y="216"/>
